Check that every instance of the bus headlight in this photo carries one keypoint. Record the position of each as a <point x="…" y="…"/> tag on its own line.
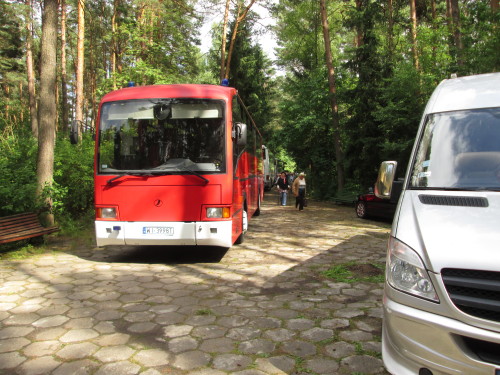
<point x="406" y="271"/>
<point x="106" y="213"/>
<point x="218" y="212"/>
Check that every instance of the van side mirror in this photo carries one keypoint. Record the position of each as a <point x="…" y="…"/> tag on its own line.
<point x="239" y="134"/>
<point x="385" y="179"/>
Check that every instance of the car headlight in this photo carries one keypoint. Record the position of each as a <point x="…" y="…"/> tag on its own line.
<point x="406" y="271"/>
<point x="217" y="212"/>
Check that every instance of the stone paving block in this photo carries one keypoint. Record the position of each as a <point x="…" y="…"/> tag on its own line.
<point x="75" y="335"/>
<point x="11" y="360"/>
<point x="231" y="362"/>
<point x="14" y="344"/>
<point x="42" y="348"/>
<point x="83" y="367"/>
<point x="38" y="366"/>
<point x="152" y="357"/>
<point x="191" y="360"/>
<point x="119" y="368"/>
<point x="77" y="351"/>
<point x="114" y="353"/>
<point x="182" y="344"/>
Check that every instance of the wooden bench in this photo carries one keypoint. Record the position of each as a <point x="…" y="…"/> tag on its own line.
<point x="22" y="226"/>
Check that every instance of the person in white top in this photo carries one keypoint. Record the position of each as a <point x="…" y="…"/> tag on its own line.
<point x="299" y="190"/>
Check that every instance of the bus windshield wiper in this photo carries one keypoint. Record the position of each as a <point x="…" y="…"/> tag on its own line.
<point x="145" y="173"/>
<point x="194" y="173"/>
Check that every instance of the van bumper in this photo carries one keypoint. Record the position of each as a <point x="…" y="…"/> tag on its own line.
<point x="204" y="233"/>
<point x="413" y="339"/>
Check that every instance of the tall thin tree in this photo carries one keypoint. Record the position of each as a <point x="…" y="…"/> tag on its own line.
<point x="333" y="97"/>
<point x="47" y="109"/>
<point x="64" y="74"/>
<point x="30" y="70"/>
<point x="79" y="67"/>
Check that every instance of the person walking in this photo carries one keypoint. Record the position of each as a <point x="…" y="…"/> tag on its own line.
<point x="299" y="190"/>
<point x="283" y="188"/>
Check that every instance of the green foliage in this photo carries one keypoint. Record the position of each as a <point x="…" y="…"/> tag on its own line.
<point x="18" y="155"/>
<point x="73" y="176"/>
<point x="71" y="190"/>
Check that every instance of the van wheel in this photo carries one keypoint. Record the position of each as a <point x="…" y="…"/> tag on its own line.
<point x="361" y="209"/>
<point x="244" y="227"/>
<point x="257" y="211"/>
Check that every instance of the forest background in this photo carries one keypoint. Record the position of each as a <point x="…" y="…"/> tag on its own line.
<point x="346" y="90"/>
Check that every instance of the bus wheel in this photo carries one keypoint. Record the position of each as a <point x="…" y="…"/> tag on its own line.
<point x="257" y="211"/>
<point x="244" y="227"/>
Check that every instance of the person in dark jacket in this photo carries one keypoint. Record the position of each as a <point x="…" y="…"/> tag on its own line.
<point x="283" y="188"/>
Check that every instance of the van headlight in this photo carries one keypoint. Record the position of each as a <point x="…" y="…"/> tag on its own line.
<point x="406" y="272"/>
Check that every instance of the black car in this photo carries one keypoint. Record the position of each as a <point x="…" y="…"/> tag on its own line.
<point x="369" y="205"/>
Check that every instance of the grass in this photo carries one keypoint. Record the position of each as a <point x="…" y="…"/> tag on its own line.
<point x="353" y="272"/>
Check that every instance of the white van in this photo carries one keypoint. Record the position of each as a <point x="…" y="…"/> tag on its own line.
<point x="442" y="290"/>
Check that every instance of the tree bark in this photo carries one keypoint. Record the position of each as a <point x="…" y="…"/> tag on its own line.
<point x="79" y="69"/>
<point x="414" y="45"/>
<point x="457" y="34"/>
<point x="64" y="74"/>
<point x="48" y="109"/>
<point x="240" y="17"/>
<point x="333" y="98"/>
<point x="30" y="71"/>
<point x="224" y="42"/>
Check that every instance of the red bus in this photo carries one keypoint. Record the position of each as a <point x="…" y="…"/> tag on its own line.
<point x="176" y="165"/>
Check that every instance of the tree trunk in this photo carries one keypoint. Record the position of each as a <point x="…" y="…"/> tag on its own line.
<point x="30" y="71"/>
<point x="414" y="46"/>
<point x="494" y="5"/>
<point x="239" y="19"/>
<point x="333" y="98"/>
<point x="390" y="30"/>
<point x="457" y="34"/>
<point x="47" y="109"/>
<point x="114" y="53"/>
<point x="64" y="78"/>
<point x="79" y="69"/>
<point x="224" y="42"/>
<point x="359" y="33"/>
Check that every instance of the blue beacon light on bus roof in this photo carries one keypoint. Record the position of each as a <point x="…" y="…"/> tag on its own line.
<point x="225" y="82"/>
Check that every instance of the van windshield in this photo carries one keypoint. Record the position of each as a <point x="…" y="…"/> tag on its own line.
<point x="162" y="136"/>
<point x="459" y="150"/>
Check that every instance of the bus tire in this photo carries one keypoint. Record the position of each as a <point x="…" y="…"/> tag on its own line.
<point x="244" y="220"/>
<point x="257" y="211"/>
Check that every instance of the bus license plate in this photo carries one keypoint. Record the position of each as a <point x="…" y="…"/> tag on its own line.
<point x="167" y="231"/>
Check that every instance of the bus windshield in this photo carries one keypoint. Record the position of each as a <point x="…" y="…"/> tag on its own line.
<point x="156" y="135"/>
<point x="459" y="151"/>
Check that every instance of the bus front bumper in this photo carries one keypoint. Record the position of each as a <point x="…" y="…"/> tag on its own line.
<point x="208" y="233"/>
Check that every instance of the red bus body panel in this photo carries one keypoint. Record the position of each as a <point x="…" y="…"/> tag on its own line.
<point x="179" y="199"/>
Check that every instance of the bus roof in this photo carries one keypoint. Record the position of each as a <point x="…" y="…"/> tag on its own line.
<point x="171" y="91"/>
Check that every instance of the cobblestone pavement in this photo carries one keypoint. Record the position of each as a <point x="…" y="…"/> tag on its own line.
<point x="263" y="307"/>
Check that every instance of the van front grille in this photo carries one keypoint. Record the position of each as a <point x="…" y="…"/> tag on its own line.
<point x="443" y="200"/>
<point x="476" y="293"/>
<point x="485" y="350"/>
